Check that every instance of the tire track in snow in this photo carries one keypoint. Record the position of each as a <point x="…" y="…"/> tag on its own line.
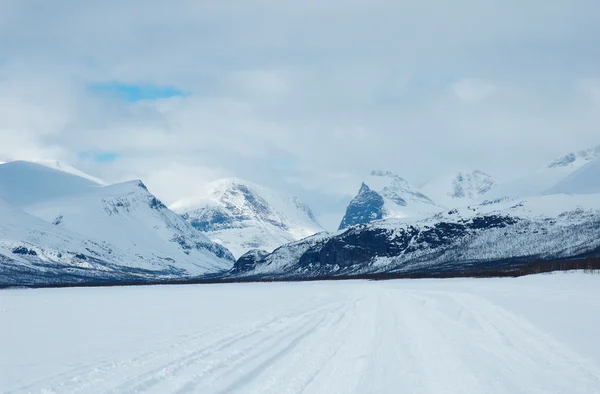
<point x="303" y="359"/>
<point x="88" y="378"/>
<point x="214" y="357"/>
<point x="368" y="337"/>
<point x="462" y="341"/>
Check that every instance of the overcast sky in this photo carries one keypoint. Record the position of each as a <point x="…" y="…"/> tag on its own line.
<point x="304" y="96"/>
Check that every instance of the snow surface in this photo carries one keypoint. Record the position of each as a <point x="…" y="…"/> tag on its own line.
<point x="534" y="334"/>
<point x="65" y="167"/>
<point x="241" y="216"/>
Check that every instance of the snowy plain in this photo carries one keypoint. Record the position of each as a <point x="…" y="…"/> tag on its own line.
<point x="536" y="334"/>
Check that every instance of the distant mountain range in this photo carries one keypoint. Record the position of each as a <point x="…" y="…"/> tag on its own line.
<point x="59" y="225"/>
<point x="474" y="222"/>
<point x="501" y="234"/>
<point x="384" y="195"/>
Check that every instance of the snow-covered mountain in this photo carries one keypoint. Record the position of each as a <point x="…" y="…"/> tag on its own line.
<point x="500" y="234"/>
<point x="458" y="189"/>
<point x="67" y="228"/>
<point x="386" y="195"/>
<point x="23" y="183"/>
<point x="585" y="180"/>
<point x="544" y="180"/>
<point x="242" y="216"/>
<point x="69" y="169"/>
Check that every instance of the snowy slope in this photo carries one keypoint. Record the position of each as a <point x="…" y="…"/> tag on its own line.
<point x="386" y="195"/>
<point x="24" y="183"/>
<point x="128" y="216"/>
<point x="546" y="178"/>
<point x="536" y="334"/>
<point x="83" y="231"/>
<point x="458" y="189"/>
<point x="33" y="251"/>
<point x="585" y="180"/>
<point x="242" y="216"/>
<point x="69" y="169"/>
<point x="499" y="234"/>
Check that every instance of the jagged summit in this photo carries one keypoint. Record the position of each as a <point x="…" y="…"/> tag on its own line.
<point x="386" y="195"/>
<point x="243" y="215"/>
<point x="396" y="188"/>
<point x="365" y="207"/>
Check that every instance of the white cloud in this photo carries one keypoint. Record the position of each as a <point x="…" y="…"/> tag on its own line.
<point x="473" y="90"/>
<point x="293" y="94"/>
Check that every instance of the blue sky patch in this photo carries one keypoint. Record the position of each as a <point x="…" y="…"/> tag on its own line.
<point x="99" y="157"/>
<point x="136" y="92"/>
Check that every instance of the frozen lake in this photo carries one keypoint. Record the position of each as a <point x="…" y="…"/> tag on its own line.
<point x="535" y="334"/>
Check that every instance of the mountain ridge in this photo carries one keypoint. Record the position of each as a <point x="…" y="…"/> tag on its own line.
<point x="93" y="233"/>
<point x="242" y="216"/>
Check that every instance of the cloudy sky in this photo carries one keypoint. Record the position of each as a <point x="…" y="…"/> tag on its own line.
<point x="304" y="96"/>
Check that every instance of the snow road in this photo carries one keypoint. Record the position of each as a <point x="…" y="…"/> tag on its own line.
<point x="529" y="335"/>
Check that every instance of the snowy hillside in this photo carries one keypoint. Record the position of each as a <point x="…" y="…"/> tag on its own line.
<point x="69" y="169"/>
<point x="386" y="195"/>
<point x="459" y="189"/>
<point x="242" y="216"/>
<point x="545" y="179"/>
<point x="78" y="231"/>
<point x="498" y="234"/>
<point x="24" y="183"/>
<point x="585" y="180"/>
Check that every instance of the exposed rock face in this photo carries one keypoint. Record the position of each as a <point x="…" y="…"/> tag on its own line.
<point x="386" y="195"/>
<point x="248" y="260"/>
<point x="366" y="207"/>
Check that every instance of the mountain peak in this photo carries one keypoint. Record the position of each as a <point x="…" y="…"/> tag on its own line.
<point x="365" y="207"/>
<point x="576" y="159"/>
<point x="386" y="195"/>
<point x="25" y="183"/>
<point x="242" y="215"/>
<point x="395" y="188"/>
<point x="364" y="188"/>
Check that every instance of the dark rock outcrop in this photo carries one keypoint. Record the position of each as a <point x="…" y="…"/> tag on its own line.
<point x="366" y="207"/>
<point x="248" y="260"/>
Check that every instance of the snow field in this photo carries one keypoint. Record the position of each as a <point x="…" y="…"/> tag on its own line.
<point x="528" y="335"/>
